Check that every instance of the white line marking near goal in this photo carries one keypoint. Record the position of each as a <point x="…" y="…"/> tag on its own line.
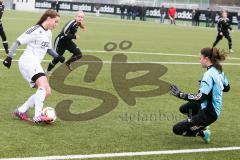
<point x="127" y="154"/>
<point x="146" y="53"/>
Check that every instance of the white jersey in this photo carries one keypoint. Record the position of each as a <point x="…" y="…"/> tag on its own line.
<point x="38" y="41"/>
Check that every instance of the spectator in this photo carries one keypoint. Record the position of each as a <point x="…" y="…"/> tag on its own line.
<point x="142" y="13"/>
<point x="129" y="12"/>
<point x="134" y="12"/>
<point x="122" y="9"/>
<point x="197" y="17"/>
<point x="213" y="18"/>
<point x="162" y="14"/>
<point x="208" y="17"/>
<point x="98" y="6"/>
<point x="172" y="14"/>
<point x="238" y="19"/>
<point x="193" y="17"/>
<point x="55" y="5"/>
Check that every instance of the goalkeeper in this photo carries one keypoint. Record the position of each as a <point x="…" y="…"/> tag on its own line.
<point x="205" y="107"/>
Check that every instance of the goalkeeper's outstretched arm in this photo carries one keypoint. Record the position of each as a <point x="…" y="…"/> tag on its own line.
<point x="199" y="98"/>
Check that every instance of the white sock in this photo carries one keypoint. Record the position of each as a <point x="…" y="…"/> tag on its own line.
<point x="29" y="103"/>
<point x="39" y="99"/>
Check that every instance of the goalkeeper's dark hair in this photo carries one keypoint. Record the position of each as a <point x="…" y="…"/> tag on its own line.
<point x="48" y="13"/>
<point x="215" y="56"/>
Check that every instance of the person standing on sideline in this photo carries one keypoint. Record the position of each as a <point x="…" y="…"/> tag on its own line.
<point x="193" y="17"/>
<point x="213" y="18"/>
<point x="162" y="14"/>
<point x="197" y="17"/>
<point x="238" y="19"/>
<point x="122" y="10"/>
<point x="2" y="32"/>
<point x="172" y="14"/>
<point x="98" y="6"/>
<point x="38" y="40"/>
<point x="208" y="16"/>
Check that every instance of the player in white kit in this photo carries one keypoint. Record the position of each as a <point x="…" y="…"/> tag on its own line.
<point x="38" y="40"/>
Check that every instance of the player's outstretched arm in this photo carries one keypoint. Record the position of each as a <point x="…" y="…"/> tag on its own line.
<point x="8" y="61"/>
<point x="199" y="98"/>
<point x="54" y="54"/>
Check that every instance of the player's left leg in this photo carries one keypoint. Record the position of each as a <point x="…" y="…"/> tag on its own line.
<point x="43" y="91"/>
<point x="195" y="126"/>
<point x="77" y="54"/>
<point x="218" y="38"/>
<point x="229" y="38"/>
<point x="4" y="39"/>
<point x="190" y="108"/>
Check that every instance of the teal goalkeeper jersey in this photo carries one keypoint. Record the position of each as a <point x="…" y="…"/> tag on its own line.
<point x="212" y="84"/>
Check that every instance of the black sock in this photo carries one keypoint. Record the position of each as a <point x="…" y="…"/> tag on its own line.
<point x="50" y="66"/>
<point x="5" y="45"/>
<point x="73" y="59"/>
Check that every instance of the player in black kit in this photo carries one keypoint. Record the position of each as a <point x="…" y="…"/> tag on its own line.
<point x="224" y="28"/>
<point x="64" y="41"/>
<point x="2" y="33"/>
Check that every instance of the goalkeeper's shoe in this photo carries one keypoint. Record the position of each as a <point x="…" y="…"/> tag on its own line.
<point x="207" y="136"/>
<point x="21" y="116"/>
<point x="207" y="128"/>
<point x="41" y="118"/>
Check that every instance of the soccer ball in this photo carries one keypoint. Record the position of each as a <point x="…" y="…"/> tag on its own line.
<point x="50" y="113"/>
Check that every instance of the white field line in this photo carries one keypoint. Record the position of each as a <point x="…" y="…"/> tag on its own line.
<point x="141" y="62"/>
<point x="128" y="154"/>
<point x="145" y="53"/>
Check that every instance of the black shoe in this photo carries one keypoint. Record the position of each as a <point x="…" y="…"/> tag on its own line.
<point x="69" y="66"/>
<point x="50" y="67"/>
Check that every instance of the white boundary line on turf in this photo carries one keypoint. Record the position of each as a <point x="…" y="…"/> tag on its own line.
<point x="140" y="62"/>
<point x="145" y="53"/>
<point x="128" y="154"/>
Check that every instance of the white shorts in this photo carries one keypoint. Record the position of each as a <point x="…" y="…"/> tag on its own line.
<point x="29" y="66"/>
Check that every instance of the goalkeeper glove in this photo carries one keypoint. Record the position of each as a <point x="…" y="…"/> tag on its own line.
<point x="177" y="93"/>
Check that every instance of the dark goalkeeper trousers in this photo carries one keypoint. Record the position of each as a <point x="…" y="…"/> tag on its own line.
<point x="195" y="123"/>
<point x="227" y="36"/>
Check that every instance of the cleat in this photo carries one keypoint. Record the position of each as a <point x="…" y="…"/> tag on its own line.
<point x="69" y="66"/>
<point x="21" y="116"/>
<point x="42" y="118"/>
<point x="48" y="73"/>
<point x="231" y="51"/>
<point x="207" y="136"/>
<point x="207" y="128"/>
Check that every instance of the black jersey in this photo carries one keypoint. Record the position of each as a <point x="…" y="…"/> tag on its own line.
<point x="1" y="10"/>
<point x="69" y="30"/>
<point x="223" y="26"/>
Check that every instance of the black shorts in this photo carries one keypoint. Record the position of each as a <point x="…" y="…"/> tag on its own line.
<point x="200" y="119"/>
<point x="63" y="44"/>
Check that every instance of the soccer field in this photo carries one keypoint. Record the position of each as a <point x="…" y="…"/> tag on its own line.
<point x="121" y="125"/>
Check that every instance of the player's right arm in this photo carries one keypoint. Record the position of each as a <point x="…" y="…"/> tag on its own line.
<point x="219" y="26"/>
<point x="66" y="30"/>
